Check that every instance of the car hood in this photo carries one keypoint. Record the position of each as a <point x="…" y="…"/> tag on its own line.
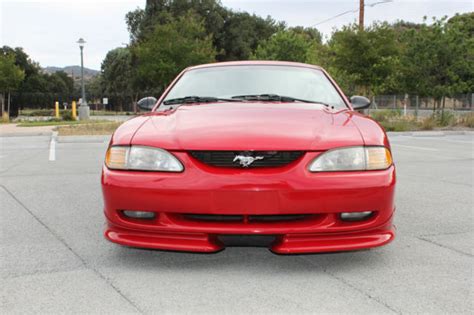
<point x="249" y="126"/>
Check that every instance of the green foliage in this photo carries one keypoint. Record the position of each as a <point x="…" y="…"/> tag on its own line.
<point x="117" y="72"/>
<point x="400" y="125"/>
<point x="368" y="60"/>
<point x="287" y="45"/>
<point x="437" y="58"/>
<point x="385" y="115"/>
<point x="67" y="115"/>
<point x="241" y="35"/>
<point x="172" y="47"/>
<point x="235" y="35"/>
<point x="11" y="75"/>
<point x="446" y="118"/>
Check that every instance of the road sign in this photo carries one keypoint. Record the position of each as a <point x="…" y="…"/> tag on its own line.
<point x="105" y="101"/>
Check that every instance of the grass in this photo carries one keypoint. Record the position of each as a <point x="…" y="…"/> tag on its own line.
<point x="88" y="129"/>
<point x="393" y="120"/>
<point x="49" y="123"/>
<point x="50" y="112"/>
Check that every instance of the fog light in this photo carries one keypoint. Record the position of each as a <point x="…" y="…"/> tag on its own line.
<point x="355" y="216"/>
<point x="139" y="214"/>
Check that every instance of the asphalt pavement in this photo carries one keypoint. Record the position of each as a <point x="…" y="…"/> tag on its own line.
<point x="54" y="259"/>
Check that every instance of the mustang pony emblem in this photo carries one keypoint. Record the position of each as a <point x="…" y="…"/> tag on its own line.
<point x="246" y="160"/>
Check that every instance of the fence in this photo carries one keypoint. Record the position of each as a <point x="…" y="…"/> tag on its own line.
<point x="408" y="104"/>
<point x="458" y="102"/>
<point x="45" y="101"/>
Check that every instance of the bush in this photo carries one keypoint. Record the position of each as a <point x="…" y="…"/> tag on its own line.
<point x="5" y="119"/>
<point x="67" y="115"/>
<point x="400" y="125"/>
<point x="37" y="112"/>
<point x="446" y="119"/>
<point x="428" y="123"/>
<point x="385" y="115"/>
<point x="467" y="120"/>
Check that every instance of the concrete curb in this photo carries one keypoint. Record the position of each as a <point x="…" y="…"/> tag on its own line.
<point x="83" y="139"/>
<point x="26" y="134"/>
<point x="435" y="133"/>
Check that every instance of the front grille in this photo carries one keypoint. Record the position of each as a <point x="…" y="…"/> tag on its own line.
<point x="248" y="218"/>
<point x="228" y="158"/>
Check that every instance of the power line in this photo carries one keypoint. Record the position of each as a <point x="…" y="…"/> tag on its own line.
<point x="351" y="11"/>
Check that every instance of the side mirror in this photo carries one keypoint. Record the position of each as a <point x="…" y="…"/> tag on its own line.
<point x="147" y="103"/>
<point x="360" y="102"/>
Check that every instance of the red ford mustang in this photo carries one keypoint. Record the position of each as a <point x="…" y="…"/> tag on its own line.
<point x="270" y="152"/>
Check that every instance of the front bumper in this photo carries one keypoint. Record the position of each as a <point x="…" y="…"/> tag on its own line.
<point x="204" y="190"/>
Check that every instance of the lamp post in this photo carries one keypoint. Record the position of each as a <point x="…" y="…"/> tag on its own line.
<point x="84" y="110"/>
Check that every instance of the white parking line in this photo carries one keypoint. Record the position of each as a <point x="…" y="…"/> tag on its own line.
<point x="413" y="147"/>
<point x="52" y="147"/>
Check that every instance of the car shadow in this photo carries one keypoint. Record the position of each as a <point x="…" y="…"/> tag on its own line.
<point x="256" y="258"/>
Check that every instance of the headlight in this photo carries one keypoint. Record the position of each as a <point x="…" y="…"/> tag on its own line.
<point x="352" y="159"/>
<point x="140" y="158"/>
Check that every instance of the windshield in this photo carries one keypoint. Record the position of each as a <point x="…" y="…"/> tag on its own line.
<point x="229" y="81"/>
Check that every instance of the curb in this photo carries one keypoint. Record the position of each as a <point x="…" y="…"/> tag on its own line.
<point x="84" y="139"/>
<point x="26" y="134"/>
<point x="431" y="133"/>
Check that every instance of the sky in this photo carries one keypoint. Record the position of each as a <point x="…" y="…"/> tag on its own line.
<point x="48" y="29"/>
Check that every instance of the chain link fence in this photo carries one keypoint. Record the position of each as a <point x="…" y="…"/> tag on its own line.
<point x="406" y="104"/>
<point x="423" y="106"/>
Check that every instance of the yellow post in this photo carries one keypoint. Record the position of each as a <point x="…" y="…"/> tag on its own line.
<point x="56" y="109"/>
<point x="74" y="113"/>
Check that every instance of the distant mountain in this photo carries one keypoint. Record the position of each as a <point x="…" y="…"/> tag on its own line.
<point x="73" y="71"/>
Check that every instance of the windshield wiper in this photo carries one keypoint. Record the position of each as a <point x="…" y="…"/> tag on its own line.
<point x="275" y="98"/>
<point x="198" y="99"/>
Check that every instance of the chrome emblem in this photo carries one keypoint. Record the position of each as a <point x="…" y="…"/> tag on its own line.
<point x="246" y="160"/>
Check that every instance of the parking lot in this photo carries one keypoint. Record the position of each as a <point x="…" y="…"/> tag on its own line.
<point x="54" y="258"/>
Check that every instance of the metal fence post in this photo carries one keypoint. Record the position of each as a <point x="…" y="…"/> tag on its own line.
<point x="416" y="107"/>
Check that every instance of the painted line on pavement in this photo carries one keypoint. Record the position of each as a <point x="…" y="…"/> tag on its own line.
<point x="52" y="147"/>
<point x="413" y="147"/>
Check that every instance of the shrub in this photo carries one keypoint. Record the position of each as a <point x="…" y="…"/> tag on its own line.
<point x="428" y="123"/>
<point x="446" y="118"/>
<point x="5" y="119"/>
<point x="67" y="115"/>
<point x="385" y="115"/>
<point x="467" y="120"/>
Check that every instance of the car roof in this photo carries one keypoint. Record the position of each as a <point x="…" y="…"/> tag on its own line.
<point x="254" y="63"/>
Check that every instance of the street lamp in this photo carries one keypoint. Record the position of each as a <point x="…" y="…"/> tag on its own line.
<point x="84" y="111"/>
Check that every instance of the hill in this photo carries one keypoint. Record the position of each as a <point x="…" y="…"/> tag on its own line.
<point x="74" y="71"/>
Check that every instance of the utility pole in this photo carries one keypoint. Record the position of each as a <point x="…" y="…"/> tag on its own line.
<point x="361" y="15"/>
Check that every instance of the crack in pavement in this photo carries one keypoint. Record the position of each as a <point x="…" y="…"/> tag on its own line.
<point x="345" y="282"/>
<point x="444" y="246"/>
<point x="441" y="234"/>
<point x="82" y="260"/>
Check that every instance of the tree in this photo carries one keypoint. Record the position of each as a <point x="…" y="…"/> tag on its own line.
<point x="235" y="35"/>
<point x="10" y="78"/>
<point x="170" y="48"/>
<point x="365" y="61"/>
<point x="310" y="33"/>
<point x="437" y="58"/>
<point x="287" y="46"/>
<point x="242" y="33"/>
<point x="118" y="75"/>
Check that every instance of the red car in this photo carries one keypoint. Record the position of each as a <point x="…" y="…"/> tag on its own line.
<point x="266" y="152"/>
